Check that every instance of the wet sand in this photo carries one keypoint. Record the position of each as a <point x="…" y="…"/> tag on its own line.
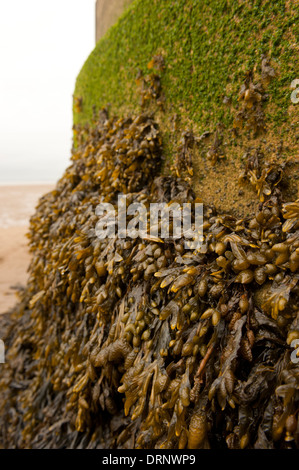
<point x="17" y="204"/>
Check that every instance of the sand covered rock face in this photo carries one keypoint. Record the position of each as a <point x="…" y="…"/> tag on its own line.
<point x="142" y="343"/>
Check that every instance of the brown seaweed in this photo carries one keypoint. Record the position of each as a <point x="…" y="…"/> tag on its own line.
<point x="121" y="343"/>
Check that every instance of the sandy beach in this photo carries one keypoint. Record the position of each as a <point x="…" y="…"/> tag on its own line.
<point x="17" y="204"/>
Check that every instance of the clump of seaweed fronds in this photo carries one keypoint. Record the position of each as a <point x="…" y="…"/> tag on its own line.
<point x="142" y="343"/>
<point x="251" y="97"/>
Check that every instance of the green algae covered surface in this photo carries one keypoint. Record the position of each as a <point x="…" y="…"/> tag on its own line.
<point x="207" y="45"/>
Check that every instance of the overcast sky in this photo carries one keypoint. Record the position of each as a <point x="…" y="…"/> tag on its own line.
<point x="43" y="45"/>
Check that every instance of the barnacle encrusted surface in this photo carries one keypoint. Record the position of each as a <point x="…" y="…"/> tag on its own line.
<point x="141" y="343"/>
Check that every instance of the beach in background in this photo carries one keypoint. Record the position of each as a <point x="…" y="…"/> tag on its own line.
<point x="17" y="204"/>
